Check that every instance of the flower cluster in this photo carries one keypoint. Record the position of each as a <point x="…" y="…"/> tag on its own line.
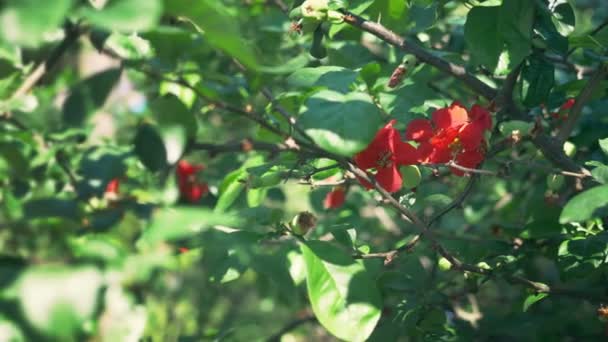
<point x="190" y="188"/>
<point x="454" y="134"/>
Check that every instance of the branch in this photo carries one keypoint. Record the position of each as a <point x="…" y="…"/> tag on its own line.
<point x="251" y="115"/>
<point x="456" y="202"/>
<point x="72" y="32"/>
<point x="581" y="101"/>
<point x="244" y="145"/>
<point x="554" y="152"/>
<point x="423" y="55"/>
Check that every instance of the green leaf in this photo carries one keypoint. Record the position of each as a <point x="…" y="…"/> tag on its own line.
<point x="564" y="19"/>
<point x="176" y="125"/>
<point x="482" y="36"/>
<point x="218" y="24"/>
<point x="51" y="207"/>
<point x="533" y="298"/>
<point x="255" y="197"/>
<point x="600" y="174"/>
<point x="500" y="37"/>
<point x="583" y="206"/>
<point x="171" y="224"/>
<point x="88" y="96"/>
<point x="604" y="145"/>
<point x="344" y="297"/>
<point x="331" y="77"/>
<point x="515" y="27"/>
<point x="546" y="29"/>
<point x="57" y="300"/>
<point x="538" y="77"/>
<point x="342" y="124"/>
<point x="25" y="22"/>
<point x="150" y="148"/>
<point x="126" y="15"/>
<point x="231" y="188"/>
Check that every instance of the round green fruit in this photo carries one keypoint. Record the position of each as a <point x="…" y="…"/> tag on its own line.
<point x="303" y="222"/>
<point x="444" y="264"/>
<point x="411" y="176"/>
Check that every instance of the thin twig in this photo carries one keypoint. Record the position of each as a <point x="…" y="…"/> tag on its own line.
<point x="423" y="55"/>
<point x="244" y="145"/>
<point x="456" y="202"/>
<point x="72" y="32"/>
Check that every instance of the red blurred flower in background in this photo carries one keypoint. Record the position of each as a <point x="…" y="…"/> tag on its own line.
<point x="335" y="198"/>
<point x="564" y="109"/>
<point x="190" y="188"/>
<point x="113" y="186"/>
<point x="385" y="154"/>
<point x="452" y="134"/>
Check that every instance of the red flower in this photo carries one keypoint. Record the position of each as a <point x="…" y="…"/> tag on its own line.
<point x="453" y="133"/>
<point x="112" y="187"/>
<point x="335" y="198"/>
<point x="385" y="154"/>
<point x="568" y="104"/>
<point x="564" y="109"/>
<point x="189" y="187"/>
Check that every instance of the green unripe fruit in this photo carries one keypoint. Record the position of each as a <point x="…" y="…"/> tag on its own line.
<point x="555" y="182"/>
<point x="484" y="265"/>
<point x="444" y="264"/>
<point x="303" y="222"/>
<point x="569" y="149"/>
<point x="315" y="9"/>
<point x="411" y="176"/>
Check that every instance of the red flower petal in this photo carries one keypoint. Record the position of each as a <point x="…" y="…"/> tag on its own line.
<point x="419" y="130"/>
<point x="405" y="154"/>
<point x="113" y="186"/>
<point x="482" y="115"/>
<point x="471" y="135"/>
<point x="382" y="143"/>
<point x="440" y="155"/>
<point x="444" y="138"/>
<point x="184" y="168"/>
<point x="389" y="178"/>
<point x="469" y="159"/>
<point x="424" y="151"/>
<point x="453" y="116"/>
<point x="194" y="192"/>
<point x="335" y="198"/>
<point x="568" y="104"/>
